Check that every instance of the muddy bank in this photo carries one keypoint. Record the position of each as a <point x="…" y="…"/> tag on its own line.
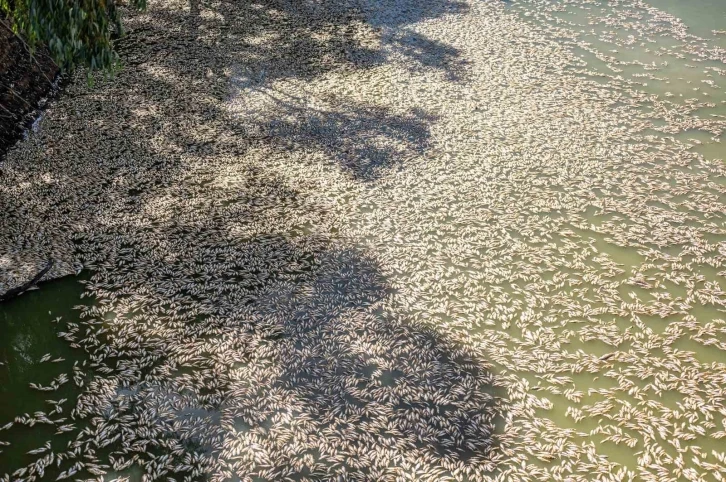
<point x="25" y="83"/>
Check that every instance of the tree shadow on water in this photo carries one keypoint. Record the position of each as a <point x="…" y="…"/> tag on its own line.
<point x="364" y="141"/>
<point x="297" y="367"/>
<point x="426" y="54"/>
<point x="277" y="47"/>
<point x="276" y="356"/>
<point x="369" y="377"/>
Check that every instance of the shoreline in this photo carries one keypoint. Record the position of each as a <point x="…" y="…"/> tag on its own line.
<point x="27" y="84"/>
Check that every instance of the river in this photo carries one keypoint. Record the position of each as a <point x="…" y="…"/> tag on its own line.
<point x="377" y="240"/>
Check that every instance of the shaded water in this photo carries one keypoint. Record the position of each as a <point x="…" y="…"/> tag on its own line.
<point x="30" y="325"/>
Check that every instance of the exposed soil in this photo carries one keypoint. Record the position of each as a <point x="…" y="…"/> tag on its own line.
<point x="25" y="82"/>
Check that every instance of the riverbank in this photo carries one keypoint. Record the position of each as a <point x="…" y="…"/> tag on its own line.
<point x="26" y="82"/>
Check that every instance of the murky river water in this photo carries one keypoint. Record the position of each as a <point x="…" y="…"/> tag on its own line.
<point x="627" y="368"/>
<point x="30" y="328"/>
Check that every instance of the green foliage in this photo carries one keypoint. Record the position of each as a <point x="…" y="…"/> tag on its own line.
<point x="76" y="32"/>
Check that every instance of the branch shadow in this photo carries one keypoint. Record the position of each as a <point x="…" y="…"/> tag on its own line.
<point x="365" y="142"/>
<point x="397" y="14"/>
<point x="426" y="54"/>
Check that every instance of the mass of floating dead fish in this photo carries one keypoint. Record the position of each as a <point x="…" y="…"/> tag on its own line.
<point x="387" y="240"/>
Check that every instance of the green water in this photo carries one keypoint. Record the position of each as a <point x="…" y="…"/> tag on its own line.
<point x="689" y="83"/>
<point x="30" y="325"/>
<point x="701" y="16"/>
